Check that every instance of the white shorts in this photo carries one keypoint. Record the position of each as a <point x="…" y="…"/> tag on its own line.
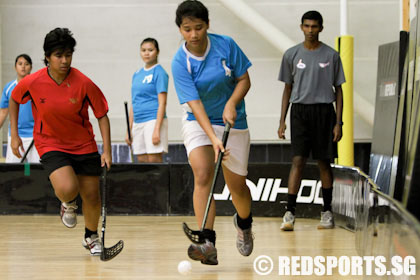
<point x="32" y="155"/>
<point x="238" y="144"/>
<point x="142" y="138"/>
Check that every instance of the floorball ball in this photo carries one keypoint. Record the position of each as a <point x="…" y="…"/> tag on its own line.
<point x="184" y="267"/>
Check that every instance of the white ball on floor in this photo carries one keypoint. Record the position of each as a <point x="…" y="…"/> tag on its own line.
<point x="184" y="267"/>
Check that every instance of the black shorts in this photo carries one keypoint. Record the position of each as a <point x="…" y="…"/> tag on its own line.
<point x="312" y="128"/>
<point x="85" y="164"/>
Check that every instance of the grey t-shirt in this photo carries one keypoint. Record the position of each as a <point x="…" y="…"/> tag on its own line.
<point x="312" y="73"/>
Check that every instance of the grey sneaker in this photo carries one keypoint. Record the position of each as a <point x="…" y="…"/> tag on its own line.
<point x="288" y="221"/>
<point x="327" y="220"/>
<point x="244" y="239"/>
<point x="93" y="244"/>
<point x="206" y="253"/>
<point x="68" y="216"/>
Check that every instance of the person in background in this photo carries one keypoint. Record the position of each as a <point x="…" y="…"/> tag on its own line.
<point x="23" y="67"/>
<point x="313" y="75"/>
<point x="148" y="121"/>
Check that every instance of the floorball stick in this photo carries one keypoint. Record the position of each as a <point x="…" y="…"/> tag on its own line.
<point x="111" y="252"/>
<point x="197" y="236"/>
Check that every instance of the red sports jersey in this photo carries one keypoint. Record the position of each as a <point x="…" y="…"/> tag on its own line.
<point x="61" y="111"/>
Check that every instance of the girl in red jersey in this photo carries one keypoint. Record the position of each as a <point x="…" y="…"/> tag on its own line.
<point x="63" y="135"/>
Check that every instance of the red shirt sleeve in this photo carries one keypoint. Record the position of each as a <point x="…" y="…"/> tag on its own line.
<point x="97" y="100"/>
<point x="20" y="93"/>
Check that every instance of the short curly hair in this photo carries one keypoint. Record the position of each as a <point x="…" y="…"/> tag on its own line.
<point x="58" y="39"/>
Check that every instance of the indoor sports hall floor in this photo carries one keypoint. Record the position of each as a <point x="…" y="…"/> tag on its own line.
<point x="41" y="247"/>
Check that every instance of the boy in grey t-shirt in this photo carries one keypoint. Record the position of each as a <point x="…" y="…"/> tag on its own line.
<point x="313" y="74"/>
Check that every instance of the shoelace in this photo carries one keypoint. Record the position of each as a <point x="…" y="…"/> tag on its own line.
<point x="326" y="219"/>
<point x="94" y="242"/>
<point x="70" y="207"/>
<point x="245" y="235"/>
<point x="289" y="218"/>
<point x="203" y="248"/>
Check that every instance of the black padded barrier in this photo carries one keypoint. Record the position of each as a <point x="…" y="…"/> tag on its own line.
<point x="20" y="194"/>
<point x="132" y="189"/>
<point x="161" y="189"/>
<point x="268" y="186"/>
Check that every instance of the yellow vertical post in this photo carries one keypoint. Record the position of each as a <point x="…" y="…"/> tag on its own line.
<point x="344" y="45"/>
<point x="405" y="15"/>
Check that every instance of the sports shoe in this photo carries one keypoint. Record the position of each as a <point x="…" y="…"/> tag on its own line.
<point x="93" y="244"/>
<point x="244" y="239"/>
<point x="206" y="253"/>
<point x="68" y="216"/>
<point x="288" y="221"/>
<point x="327" y="220"/>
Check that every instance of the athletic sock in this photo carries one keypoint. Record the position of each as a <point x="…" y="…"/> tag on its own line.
<point x="89" y="233"/>
<point x="291" y="203"/>
<point x="327" y="197"/>
<point x="210" y="235"/>
<point x="244" y="223"/>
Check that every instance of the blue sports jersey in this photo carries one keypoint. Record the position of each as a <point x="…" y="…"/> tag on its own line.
<point x="26" y="120"/>
<point x="146" y="85"/>
<point x="211" y="78"/>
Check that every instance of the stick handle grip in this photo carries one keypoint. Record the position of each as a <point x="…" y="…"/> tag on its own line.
<point x="27" y="151"/>
<point x="128" y="130"/>
<point x="127" y="119"/>
<point x="226" y="134"/>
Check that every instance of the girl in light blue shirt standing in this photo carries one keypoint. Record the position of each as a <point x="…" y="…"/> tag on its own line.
<point x="23" y="67"/>
<point x="147" y="117"/>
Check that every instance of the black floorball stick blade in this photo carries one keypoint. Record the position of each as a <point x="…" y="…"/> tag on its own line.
<point x="196" y="236"/>
<point x="112" y="252"/>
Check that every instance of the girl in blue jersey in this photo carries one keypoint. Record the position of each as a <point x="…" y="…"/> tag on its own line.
<point x="211" y="80"/>
<point x="23" y="67"/>
<point x="149" y="93"/>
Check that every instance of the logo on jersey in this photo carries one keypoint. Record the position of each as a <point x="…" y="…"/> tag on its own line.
<point x="323" y="65"/>
<point x="42" y="100"/>
<point x="148" y="79"/>
<point x="228" y="72"/>
<point x="301" y="65"/>
<point x="73" y="100"/>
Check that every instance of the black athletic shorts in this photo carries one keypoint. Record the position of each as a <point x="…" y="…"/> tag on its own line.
<point x="312" y="128"/>
<point x="85" y="164"/>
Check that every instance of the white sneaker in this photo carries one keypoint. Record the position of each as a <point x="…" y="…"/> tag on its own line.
<point x="288" y="221"/>
<point x="93" y="244"/>
<point x="68" y="216"/>
<point x="327" y="220"/>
